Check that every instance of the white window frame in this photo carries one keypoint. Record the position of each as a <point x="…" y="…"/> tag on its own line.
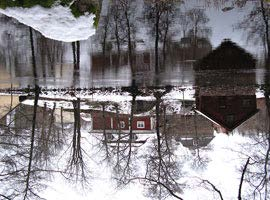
<point x="122" y="124"/>
<point x="195" y="141"/>
<point x="140" y="124"/>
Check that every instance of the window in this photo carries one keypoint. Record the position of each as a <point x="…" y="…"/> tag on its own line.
<point x="140" y="124"/>
<point x="122" y="124"/>
<point x="195" y="142"/>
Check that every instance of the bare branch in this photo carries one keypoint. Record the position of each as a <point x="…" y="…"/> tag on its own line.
<point x="214" y="188"/>
<point x="161" y="184"/>
<point x="242" y="179"/>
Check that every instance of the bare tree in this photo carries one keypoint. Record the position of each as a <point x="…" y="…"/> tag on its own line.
<point x="33" y="53"/>
<point x="116" y="14"/>
<point x="197" y="26"/>
<point x="158" y="11"/>
<point x="76" y="164"/>
<point x="162" y="170"/>
<point x="29" y="170"/>
<point x="256" y="23"/>
<point x="76" y="54"/>
<point x="106" y="21"/>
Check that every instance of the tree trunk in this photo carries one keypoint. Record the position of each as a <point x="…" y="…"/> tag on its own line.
<point x="157" y="40"/>
<point x="266" y="24"/>
<point x="27" y="187"/>
<point x="33" y="53"/>
<point x="129" y="42"/>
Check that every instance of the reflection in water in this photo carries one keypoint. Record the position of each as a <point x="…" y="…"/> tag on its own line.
<point x="227" y="56"/>
<point x="157" y="49"/>
<point x="256" y="25"/>
<point x="234" y="103"/>
<point x="148" y="103"/>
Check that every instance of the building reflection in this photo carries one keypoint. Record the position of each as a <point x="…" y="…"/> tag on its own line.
<point x="102" y="63"/>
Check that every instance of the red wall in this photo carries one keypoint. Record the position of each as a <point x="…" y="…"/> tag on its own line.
<point x="147" y="123"/>
<point x="124" y="119"/>
<point x="98" y="122"/>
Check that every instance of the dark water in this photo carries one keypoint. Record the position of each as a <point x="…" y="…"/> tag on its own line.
<point x="122" y="110"/>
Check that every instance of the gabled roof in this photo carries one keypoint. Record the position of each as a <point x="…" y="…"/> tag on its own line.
<point x="228" y="55"/>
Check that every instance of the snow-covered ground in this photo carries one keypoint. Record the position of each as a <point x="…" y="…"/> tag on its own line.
<point x="223" y="164"/>
<point x="56" y="23"/>
<point x="173" y="100"/>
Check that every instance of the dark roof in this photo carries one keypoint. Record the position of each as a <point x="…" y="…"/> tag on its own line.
<point x="228" y="55"/>
<point x="228" y="127"/>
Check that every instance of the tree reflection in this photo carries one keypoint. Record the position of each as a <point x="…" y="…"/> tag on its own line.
<point x="160" y="13"/>
<point x="256" y="24"/>
<point x="49" y="54"/>
<point x="198" y="21"/>
<point x="76" y="52"/>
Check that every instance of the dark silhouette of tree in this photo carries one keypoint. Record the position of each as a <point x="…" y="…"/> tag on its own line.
<point x="104" y="35"/>
<point x="49" y="54"/>
<point x="76" y="166"/>
<point x="124" y="167"/>
<point x="162" y="170"/>
<point x="118" y="24"/>
<point x="76" y="54"/>
<point x="33" y="53"/>
<point x="197" y="26"/>
<point x="159" y="14"/>
<point x="29" y="170"/>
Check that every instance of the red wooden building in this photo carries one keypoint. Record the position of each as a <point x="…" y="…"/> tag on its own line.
<point x="111" y="122"/>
